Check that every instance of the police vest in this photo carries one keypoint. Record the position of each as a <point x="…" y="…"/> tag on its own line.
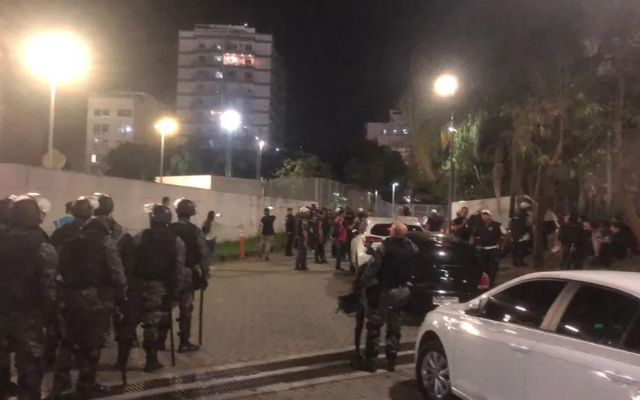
<point x="20" y="269"/>
<point x="83" y="261"/>
<point x="489" y="234"/>
<point x="187" y="232"/>
<point x="397" y="262"/>
<point x="156" y="255"/>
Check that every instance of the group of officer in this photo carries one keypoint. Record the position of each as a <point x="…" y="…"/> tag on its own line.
<point x="60" y="296"/>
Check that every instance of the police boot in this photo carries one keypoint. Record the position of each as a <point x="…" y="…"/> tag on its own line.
<point x="186" y="346"/>
<point x="369" y="365"/>
<point x="152" y="364"/>
<point x="391" y="362"/>
<point x="90" y="392"/>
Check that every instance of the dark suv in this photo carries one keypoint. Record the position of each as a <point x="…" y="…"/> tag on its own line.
<point x="445" y="271"/>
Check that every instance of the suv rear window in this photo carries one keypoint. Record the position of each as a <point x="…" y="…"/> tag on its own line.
<point x="383" y="229"/>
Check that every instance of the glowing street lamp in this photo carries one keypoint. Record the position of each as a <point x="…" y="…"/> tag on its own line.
<point x="230" y="121"/>
<point x="57" y="58"/>
<point x="446" y="86"/>
<point x="393" y="198"/>
<point x="261" y="144"/>
<point x="165" y="126"/>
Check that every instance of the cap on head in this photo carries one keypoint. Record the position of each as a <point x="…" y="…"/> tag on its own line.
<point x="158" y="213"/>
<point x="304" y="209"/>
<point x="83" y="207"/>
<point x="434" y="211"/>
<point x="524" y="204"/>
<point x="185" y="207"/>
<point x="105" y="204"/>
<point x="486" y="212"/>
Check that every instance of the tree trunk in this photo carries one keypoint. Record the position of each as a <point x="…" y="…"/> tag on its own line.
<point x="628" y="205"/>
<point x="516" y="174"/>
<point x="496" y="173"/>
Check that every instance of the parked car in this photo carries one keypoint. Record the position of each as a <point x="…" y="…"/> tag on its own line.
<point x="376" y="231"/>
<point x="550" y="335"/>
<point x="445" y="271"/>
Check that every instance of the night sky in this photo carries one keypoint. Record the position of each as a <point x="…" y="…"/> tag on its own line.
<point x="345" y="61"/>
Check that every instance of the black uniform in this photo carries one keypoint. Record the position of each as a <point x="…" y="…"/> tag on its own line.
<point x="302" y="240"/>
<point x="573" y="240"/>
<point x="391" y="270"/>
<point x="462" y="228"/>
<point x="488" y="237"/>
<point x="290" y="227"/>
<point x="521" y="237"/>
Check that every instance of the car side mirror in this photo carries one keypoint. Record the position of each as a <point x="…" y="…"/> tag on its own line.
<point x="475" y="306"/>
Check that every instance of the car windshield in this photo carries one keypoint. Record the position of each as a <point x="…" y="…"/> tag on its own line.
<point x="383" y="229"/>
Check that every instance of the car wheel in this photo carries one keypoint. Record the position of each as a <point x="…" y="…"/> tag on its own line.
<point x="432" y="372"/>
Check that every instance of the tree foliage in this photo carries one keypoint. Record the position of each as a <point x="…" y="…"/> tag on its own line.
<point x="309" y="166"/>
<point x="134" y="161"/>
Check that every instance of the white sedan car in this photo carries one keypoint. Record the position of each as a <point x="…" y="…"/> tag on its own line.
<point x="376" y="231"/>
<point x="571" y="335"/>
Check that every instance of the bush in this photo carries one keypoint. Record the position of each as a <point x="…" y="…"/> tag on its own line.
<point x="226" y="251"/>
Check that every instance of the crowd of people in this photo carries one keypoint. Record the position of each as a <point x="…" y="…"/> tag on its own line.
<point x="60" y="296"/>
<point x="312" y="227"/>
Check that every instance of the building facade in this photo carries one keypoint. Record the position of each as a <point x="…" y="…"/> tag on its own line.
<point x="116" y="118"/>
<point x="394" y="134"/>
<point x="222" y="67"/>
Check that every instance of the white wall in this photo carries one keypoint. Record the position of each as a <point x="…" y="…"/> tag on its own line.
<point x="499" y="209"/>
<point x="131" y="195"/>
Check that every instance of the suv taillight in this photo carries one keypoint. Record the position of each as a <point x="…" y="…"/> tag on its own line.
<point x="484" y="282"/>
<point x="369" y="240"/>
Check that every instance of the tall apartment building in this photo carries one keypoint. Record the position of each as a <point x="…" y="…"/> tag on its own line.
<point x="394" y="134"/>
<point x="221" y="67"/>
<point x="116" y="118"/>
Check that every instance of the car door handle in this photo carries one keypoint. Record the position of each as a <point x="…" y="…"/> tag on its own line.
<point x="627" y="380"/>
<point x="519" y="348"/>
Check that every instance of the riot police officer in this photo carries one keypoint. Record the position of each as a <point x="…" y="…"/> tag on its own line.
<point x="487" y="239"/>
<point x="520" y="234"/>
<point x="28" y="290"/>
<point x="573" y="239"/>
<point x="94" y="283"/>
<point x="391" y="269"/>
<point x="104" y="209"/>
<point x="196" y="271"/>
<point x="81" y="209"/>
<point x="155" y="283"/>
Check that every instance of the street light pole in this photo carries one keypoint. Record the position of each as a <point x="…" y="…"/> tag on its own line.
<point x="393" y="199"/>
<point x="446" y="86"/>
<point x="230" y="121"/>
<point x="52" y="107"/>
<point x="261" y="144"/>
<point x="227" y="159"/>
<point x="165" y="126"/>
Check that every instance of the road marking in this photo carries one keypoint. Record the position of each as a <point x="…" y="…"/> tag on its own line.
<point x="207" y="383"/>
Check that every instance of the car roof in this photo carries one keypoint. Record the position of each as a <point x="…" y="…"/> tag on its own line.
<point x="626" y="281"/>
<point x="382" y="220"/>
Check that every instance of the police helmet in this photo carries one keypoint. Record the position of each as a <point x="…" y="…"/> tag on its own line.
<point x="29" y="210"/>
<point x="83" y="207"/>
<point x="105" y="204"/>
<point x="158" y="213"/>
<point x="5" y="209"/>
<point x="185" y="207"/>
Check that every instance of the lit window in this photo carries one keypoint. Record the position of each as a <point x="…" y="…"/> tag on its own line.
<point x="94" y="158"/>
<point x="124" y="129"/>
<point x="248" y="61"/>
<point x="218" y="47"/>
<point x="218" y="59"/>
<point x="231" y="59"/>
<point x="384" y="131"/>
<point x="219" y="75"/>
<point x="125" y="113"/>
<point x="405" y="131"/>
<point x="395" y="131"/>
